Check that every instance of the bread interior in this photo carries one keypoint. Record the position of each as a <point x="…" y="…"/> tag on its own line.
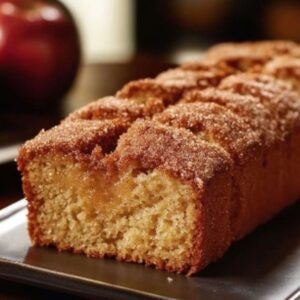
<point x="146" y="216"/>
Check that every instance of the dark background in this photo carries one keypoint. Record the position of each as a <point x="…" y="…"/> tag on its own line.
<point x="165" y="25"/>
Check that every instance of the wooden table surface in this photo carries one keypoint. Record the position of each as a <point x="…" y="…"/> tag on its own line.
<point x="93" y="81"/>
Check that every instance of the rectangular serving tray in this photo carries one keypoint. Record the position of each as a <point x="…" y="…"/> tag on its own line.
<point x="264" y="265"/>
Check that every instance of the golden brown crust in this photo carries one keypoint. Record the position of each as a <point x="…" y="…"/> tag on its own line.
<point x="276" y="95"/>
<point x="154" y="95"/>
<point x="188" y="78"/>
<point x="247" y="107"/>
<point x="215" y="124"/>
<point x="263" y="48"/>
<point x="149" y="145"/>
<point x="109" y="108"/>
<point x="78" y="137"/>
<point x="231" y="136"/>
<point x="286" y="68"/>
<point x="168" y="87"/>
<point x="249" y="55"/>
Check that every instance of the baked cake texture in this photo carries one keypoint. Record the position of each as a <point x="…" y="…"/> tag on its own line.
<point x="172" y="170"/>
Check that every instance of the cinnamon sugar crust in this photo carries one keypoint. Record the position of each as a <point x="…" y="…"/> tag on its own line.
<point x="78" y="138"/>
<point x="286" y="64"/>
<point x="247" y="107"/>
<point x="249" y="55"/>
<point x="263" y="48"/>
<point x="168" y="87"/>
<point x="275" y="95"/>
<point x="286" y="68"/>
<point x="154" y="95"/>
<point x="150" y="145"/>
<point x="109" y="108"/>
<point x="172" y="170"/>
<point x="212" y="71"/>
<point x="215" y="124"/>
<point x="187" y="78"/>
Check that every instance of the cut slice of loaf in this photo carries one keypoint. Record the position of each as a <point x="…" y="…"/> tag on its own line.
<point x="171" y="170"/>
<point x="142" y="203"/>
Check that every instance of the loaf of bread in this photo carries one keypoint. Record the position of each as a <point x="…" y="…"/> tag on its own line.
<point x="172" y="170"/>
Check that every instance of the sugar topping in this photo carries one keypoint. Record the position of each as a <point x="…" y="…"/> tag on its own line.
<point x="77" y="137"/>
<point x="284" y="67"/>
<point x="276" y="95"/>
<point x="149" y="145"/>
<point x="213" y="123"/>
<point x="108" y="108"/>
<point x="247" y="107"/>
<point x="204" y="114"/>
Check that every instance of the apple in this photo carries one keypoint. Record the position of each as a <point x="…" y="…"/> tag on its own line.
<point x="39" y="52"/>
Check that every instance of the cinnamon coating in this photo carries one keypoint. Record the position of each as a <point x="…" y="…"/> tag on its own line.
<point x="78" y="137"/>
<point x="276" y="95"/>
<point x="247" y="107"/>
<point x="109" y="108"/>
<point x="249" y="55"/>
<point x="244" y="110"/>
<point x="215" y="124"/>
<point x="154" y="95"/>
<point x="150" y="145"/>
<point x="188" y="78"/>
<point x="224" y="128"/>
<point x="286" y="68"/>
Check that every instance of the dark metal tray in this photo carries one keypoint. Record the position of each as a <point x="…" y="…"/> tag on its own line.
<point x="264" y="265"/>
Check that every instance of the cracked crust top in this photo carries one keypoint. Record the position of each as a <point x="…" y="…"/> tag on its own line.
<point x="78" y="138"/>
<point x="189" y="78"/>
<point x="215" y="124"/>
<point x="153" y="94"/>
<point x="247" y="107"/>
<point x="150" y="145"/>
<point x="285" y="67"/>
<point x="257" y="106"/>
<point x="109" y="108"/>
<point x="276" y="95"/>
<point x="197" y="123"/>
<point x="250" y="54"/>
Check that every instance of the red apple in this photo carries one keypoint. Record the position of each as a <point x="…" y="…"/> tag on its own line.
<point x="39" y="52"/>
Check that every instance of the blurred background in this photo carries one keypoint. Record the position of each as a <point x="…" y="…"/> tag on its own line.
<point x="119" y="40"/>
<point x="116" y="30"/>
<point x="56" y="56"/>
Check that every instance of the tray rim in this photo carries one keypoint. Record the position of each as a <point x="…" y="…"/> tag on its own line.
<point x="76" y="284"/>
